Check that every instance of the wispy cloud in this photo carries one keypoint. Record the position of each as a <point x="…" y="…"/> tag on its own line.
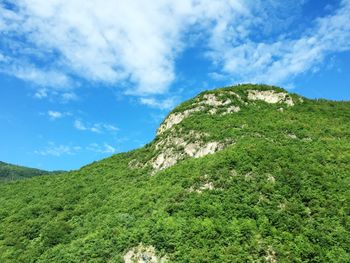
<point x="95" y="127"/>
<point x="56" y="95"/>
<point x="247" y="58"/>
<point x="68" y="96"/>
<point x="54" y="115"/>
<point x="41" y="94"/>
<point x="58" y="150"/>
<point x="79" y="125"/>
<point x="55" y="44"/>
<point x="102" y="148"/>
<point x="165" y="104"/>
<point x="102" y="42"/>
<point x="53" y="149"/>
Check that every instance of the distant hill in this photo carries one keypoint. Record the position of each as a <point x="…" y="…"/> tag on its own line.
<point x="249" y="173"/>
<point x="11" y="172"/>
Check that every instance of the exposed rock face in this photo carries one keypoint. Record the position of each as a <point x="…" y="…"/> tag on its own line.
<point x="142" y="254"/>
<point x="270" y="255"/>
<point x="307" y="139"/>
<point x="232" y="109"/>
<point x="165" y="159"/>
<point x="292" y="136"/>
<point x="176" y="118"/>
<point x="271" y="179"/>
<point x="176" y="146"/>
<point x="213" y="111"/>
<point x="135" y="164"/>
<point x="174" y="149"/>
<point x="208" y="186"/>
<point x="197" y="150"/>
<point x="270" y="96"/>
<point x="214" y="101"/>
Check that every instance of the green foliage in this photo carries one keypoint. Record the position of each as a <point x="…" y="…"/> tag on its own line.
<point x="10" y="172"/>
<point x="276" y="196"/>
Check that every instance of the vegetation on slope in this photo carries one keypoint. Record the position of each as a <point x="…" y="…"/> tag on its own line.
<point x="279" y="193"/>
<point x="10" y="172"/>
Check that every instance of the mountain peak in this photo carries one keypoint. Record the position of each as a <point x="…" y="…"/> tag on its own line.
<point x="227" y="101"/>
<point x="189" y="131"/>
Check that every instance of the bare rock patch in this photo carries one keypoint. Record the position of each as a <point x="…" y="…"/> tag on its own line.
<point x="143" y="254"/>
<point x="271" y="178"/>
<point x="176" y="118"/>
<point x="270" y="255"/>
<point x="197" y="150"/>
<point x="213" y="100"/>
<point x="232" y="109"/>
<point x="292" y="136"/>
<point x="135" y="164"/>
<point x="270" y="96"/>
<point x="307" y="139"/>
<point x="207" y="186"/>
<point x="175" y="148"/>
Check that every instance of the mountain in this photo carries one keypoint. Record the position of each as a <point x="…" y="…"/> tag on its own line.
<point x="249" y="173"/>
<point x="10" y="172"/>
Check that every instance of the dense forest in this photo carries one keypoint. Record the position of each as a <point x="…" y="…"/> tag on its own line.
<point x="249" y="173"/>
<point x="10" y="172"/>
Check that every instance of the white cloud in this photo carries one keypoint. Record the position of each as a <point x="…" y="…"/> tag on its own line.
<point x="55" y="95"/>
<point x="165" y="104"/>
<point x="95" y="127"/>
<point x="116" y="42"/>
<point x="41" y="93"/>
<point x="277" y="61"/>
<point x="68" y="96"/>
<point x="54" y="114"/>
<point x="79" y="125"/>
<point x="40" y="77"/>
<point x="101" y="148"/>
<point x="52" y="149"/>
<point x="110" y="127"/>
<point x="109" y="42"/>
<point x="134" y="44"/>
<point x="22" y="69"/>
<point x="58" y="150"/>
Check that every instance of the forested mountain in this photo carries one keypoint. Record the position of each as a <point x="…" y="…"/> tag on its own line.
<point x="249" y="173"/>
<point x="10" y="172"/>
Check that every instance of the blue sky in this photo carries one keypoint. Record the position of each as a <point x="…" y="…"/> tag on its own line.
<point x="82" y="80"/>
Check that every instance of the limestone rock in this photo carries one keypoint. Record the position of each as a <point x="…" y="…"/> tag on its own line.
<point x="143" y="254"/>
<point x="176" y="118"/>
<point x="232" y="109"/>
<point x="207" y="186"/>
<point x="165" y="159"/>
<point x="213" y="100"/>
<point x="176" y="148"/>
<point x="270" y="96"/>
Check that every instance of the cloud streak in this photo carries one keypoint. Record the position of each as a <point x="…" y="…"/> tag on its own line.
<point x="54" y="115"/>
<point x="95" y="127"/>
<point x="277" y="62"/>
<point x="104" y="148"/>
<point x="58" y="150"/>
<point x="53" y="149"/>
<point x="135" y="44"/>
<point x="165" y="104"/>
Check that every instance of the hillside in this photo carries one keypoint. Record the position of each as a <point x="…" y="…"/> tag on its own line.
<point x="248" y="173"/>
<point x="10" y="172"/>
